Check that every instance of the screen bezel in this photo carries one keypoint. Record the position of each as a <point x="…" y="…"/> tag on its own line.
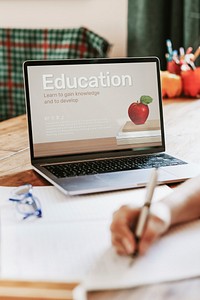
<point x="101" y="154"/>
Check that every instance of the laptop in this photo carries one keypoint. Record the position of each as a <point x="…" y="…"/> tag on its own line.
<point x="96" y="125"/>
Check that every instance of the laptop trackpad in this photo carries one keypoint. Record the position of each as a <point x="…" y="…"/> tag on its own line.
<point x="134" y="178"/>
<point x="112" y="181"/>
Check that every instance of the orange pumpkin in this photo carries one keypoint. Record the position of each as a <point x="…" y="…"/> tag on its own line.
<point x="171" y="84"/>
<point x="191" y="82"/>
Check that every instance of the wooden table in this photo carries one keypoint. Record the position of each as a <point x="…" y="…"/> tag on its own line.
<point x="182" y="126"/>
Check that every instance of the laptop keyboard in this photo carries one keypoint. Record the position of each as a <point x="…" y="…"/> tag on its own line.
<point x="112" y="165"/>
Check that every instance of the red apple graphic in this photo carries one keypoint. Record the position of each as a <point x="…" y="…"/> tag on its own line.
<point x="139" y="111"/>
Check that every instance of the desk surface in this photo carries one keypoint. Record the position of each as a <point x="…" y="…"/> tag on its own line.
<point x="182" y="127"/>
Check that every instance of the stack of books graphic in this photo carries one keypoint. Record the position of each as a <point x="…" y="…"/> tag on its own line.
<point x="149" y="132"/>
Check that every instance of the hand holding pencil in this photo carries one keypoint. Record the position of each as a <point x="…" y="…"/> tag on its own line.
<point x="131" y="230"/>
<point x="180" y="206"/>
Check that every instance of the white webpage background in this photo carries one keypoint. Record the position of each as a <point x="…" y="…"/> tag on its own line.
<point x="97" y="116"/>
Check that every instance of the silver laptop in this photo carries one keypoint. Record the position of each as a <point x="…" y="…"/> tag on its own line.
<point x="97" y="124"/>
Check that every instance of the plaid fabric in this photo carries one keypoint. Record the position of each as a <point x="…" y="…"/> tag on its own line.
<point x="18" y="45"/>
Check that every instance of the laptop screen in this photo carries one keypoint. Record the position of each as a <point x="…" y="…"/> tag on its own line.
<point x="92" y="106"/>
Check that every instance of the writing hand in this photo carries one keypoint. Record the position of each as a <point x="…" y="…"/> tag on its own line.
<point x="124" y="222"/>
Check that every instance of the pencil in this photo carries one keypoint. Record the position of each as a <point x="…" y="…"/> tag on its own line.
<point x="196" y="53"/>
<point x="142" y="220"/>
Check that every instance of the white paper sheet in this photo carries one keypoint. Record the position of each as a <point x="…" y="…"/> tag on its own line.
<point x="175" y="256"/>
<point x="58" y="207"/>
<point x="67" y="241"/>
<point x="57" y="252"/>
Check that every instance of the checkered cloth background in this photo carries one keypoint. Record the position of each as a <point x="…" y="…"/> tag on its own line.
<point x="18" y="45"/>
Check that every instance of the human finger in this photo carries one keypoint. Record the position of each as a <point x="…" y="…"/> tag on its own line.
<point x="121" y="228"/>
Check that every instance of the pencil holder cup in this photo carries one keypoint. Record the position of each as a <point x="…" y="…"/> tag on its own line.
<point x="173" y="67"/>
<point x="171" y="84"/>
<point x="191" y="82"/>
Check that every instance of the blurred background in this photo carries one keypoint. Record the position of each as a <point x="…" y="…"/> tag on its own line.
<point x="133" y="27"/>
<point x="151" y="22"/>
